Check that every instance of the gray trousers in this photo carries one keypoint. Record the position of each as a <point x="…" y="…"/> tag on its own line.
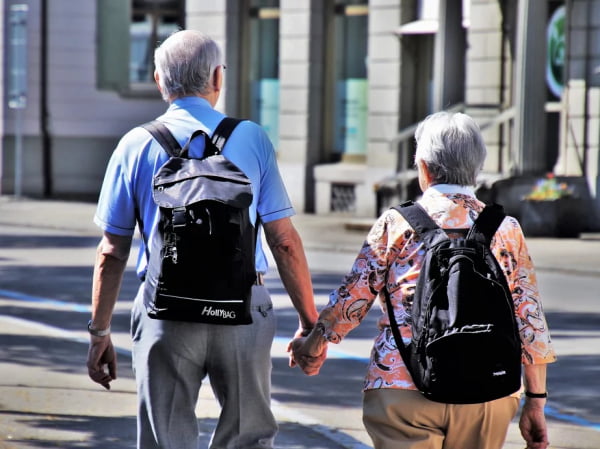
<point x="170" y="360"/>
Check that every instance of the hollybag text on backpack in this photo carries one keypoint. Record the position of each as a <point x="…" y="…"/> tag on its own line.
<point x="465" y="345"/>
<point x="202" y="257"/>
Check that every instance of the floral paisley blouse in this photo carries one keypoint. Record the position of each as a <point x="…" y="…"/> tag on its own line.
<point x="391" y="257"/>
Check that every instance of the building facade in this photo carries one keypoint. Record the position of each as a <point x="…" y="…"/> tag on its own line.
<point x="337" y="84"/>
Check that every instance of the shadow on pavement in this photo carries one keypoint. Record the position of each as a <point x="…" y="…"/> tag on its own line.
<point x="20" y="241"/>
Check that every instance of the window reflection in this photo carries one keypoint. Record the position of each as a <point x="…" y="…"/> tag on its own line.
<point x="152" y="21"/>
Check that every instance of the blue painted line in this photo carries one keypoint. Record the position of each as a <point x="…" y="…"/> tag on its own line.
<point x="330" y="351"/>
<point x="553" y="413"/>
<point x="48" y="301"/>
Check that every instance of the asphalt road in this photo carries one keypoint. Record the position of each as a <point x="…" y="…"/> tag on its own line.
<point x="45" y="283"/>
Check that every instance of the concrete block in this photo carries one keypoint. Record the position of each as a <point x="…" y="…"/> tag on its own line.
<point x="384" y="73"/>
<point x="293" y="49"/>
<point x="383" y="20"/>
<point x="595" y="14"/>
<point x="380" y="148"/>
<point x="488" y="16"/>
<point x="294" y="99"/>
<point x="383" y="47"/>
<point x="202" y="8"/>
<point x="293" y="125"/>
<point x="375" y="4"/>
<point x="577" y="68"/>
<point x="290" y="146"/>
<point x="380" y="156"/>
<point x="213" y="25"/>
<point x="577" y="43"/>
<point x="576" y="98"/>
<point x="482" y="95"/>
<point x="293" y="74"/>
<point x="323" y="198"/>
<point x="365" y="200"/>
<point x="487" y="45"/>
<point x="594" y="38"/>
<point x="294" y="23"/>
<point x="384" y="101"/>
<point x="294" y="176"/>
<point x="286" y="6"/>
<point x="483" y="73"/>
<point x="579" y="14"/>
<point x="340" y="172"/>
<point x="385" y="126"/>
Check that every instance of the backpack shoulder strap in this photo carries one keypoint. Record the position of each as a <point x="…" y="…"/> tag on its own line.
<point x="163" y="136"/>
<point x="487" y="224"/>
<point x="418" y="218"/>
<point x="222" y="133"/>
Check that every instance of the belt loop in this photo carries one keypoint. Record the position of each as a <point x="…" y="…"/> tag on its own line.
<point x="259" y="279"/>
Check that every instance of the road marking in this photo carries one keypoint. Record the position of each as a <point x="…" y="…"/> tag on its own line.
<point x="279" y="409"/>
<point x="46" y="301"/>
<point x="332" y="352"/>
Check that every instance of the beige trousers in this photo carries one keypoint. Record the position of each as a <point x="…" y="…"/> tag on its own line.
<point x="404" y="419"/>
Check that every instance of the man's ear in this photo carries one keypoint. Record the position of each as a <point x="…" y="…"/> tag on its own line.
<point x="218" y="79"/>
<point x="156" y="80"/>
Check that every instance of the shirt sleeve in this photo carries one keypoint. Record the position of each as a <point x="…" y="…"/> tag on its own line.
<point x="349" y="304"/>
<point x="251" y="150"/>
<point x="115" y="212"/>
<point x="510" y="248"/>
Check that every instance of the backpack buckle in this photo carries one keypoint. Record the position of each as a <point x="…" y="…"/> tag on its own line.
<point x="179" y="218"/>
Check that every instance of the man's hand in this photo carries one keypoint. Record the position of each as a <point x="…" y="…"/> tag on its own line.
<point x="102" y="361"/>
<point x="304" y="355"/>
<point x="301" y="332"/>
<point x="533" y="424"/>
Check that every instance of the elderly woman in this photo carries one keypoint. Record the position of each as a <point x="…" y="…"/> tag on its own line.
<point x="450" y="153"/>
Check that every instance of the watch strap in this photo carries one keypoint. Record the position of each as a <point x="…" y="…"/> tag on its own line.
<point x="97" y="332"/>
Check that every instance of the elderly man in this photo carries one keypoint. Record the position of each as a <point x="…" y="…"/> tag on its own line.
<point x="171" y="358"/>
<point x="450" y="153"/>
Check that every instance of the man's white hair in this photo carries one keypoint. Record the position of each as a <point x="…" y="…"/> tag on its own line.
<point x="185" y="63"/>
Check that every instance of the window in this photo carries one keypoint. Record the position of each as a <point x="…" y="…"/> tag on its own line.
<point x="128" y="33"/>
<point x="349" y="75"/>
<point x="152" y="21"/>
<point x="264" y="66"/>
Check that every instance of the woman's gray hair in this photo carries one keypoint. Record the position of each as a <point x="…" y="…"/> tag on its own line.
<point x="452" y="148"/>
<point x="185" y="63"/>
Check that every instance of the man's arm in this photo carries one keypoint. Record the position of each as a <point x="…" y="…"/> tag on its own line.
<point x="287" y="249"/>
<point x="533" y="422"/>
<point x="111" y="260"/>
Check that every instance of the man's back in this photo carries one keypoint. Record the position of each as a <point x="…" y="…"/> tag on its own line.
<point x="139" y="157"/>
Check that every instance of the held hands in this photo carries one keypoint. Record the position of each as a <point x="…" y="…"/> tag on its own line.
<point x="308" y="352"/>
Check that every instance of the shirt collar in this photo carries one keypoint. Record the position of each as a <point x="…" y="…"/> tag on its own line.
<point x="451" y="189"/>
<point x="186" y="102"/>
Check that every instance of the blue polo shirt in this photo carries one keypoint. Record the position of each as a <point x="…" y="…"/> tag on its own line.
<point x="128" y="179"/>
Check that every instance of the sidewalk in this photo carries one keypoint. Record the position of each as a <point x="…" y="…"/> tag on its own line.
<point x="325" y="234"/>
<point x="336" y="233"/>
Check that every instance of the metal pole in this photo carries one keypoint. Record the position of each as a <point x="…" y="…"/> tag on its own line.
<point x="18" y="152"/>
<point x="17" y="98"/>
<point x="530" y="90"/>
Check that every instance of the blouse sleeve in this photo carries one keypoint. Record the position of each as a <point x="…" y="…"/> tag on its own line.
<point x="349" y="304"/>
<point x="510" y="249"/>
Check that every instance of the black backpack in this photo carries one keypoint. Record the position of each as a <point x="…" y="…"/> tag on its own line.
<point x="465" y="345"/>
<point x="202" y="258"/>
